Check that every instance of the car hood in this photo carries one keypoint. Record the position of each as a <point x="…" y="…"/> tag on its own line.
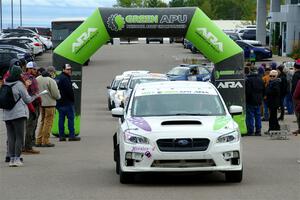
<point x="195" y="124"/>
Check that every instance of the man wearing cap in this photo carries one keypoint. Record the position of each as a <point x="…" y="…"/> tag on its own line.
<point x="254" y="97"/>
<point x="46" y="82"/>
<point x="295" y="79"/>
<point x="65" y="105"/>
<point x="34" y="110"/>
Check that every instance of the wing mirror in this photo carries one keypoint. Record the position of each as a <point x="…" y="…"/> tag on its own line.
<point x="235" y="110"/>
<point x="117" y="112"/>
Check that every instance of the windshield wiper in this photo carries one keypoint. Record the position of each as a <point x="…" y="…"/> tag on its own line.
<point x="190" y="114"/>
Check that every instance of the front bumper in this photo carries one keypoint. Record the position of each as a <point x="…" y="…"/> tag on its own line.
<point x="148" y="158"/>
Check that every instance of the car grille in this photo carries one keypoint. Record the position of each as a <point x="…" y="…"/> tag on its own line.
<point x="183" y="144"/>
<point x="183" y="163"/>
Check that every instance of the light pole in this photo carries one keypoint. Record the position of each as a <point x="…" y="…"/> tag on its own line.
<point x="1" y="15"/>
<point x="21" y="13"/>
<point x="12" y="14"/>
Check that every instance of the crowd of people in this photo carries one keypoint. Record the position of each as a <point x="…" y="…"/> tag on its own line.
<point x="271" y="89"/>
<point x="37" y="93"/>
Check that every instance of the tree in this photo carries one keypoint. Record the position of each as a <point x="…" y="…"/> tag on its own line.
<point x="154" y="3"/>
<point x="177" y="3"/>
<point x="130" y="3"/>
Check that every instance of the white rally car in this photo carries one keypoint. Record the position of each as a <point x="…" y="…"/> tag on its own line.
<point x="177" y="127"/>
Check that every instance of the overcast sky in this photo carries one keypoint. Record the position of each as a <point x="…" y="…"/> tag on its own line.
<point x="41" y="12"/>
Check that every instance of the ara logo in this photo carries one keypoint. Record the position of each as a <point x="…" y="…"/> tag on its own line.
<point x="82" y="40"/>
<point x="116" y="22"/>
<point x="230" y="84"/>
<point x="210" y="38"/>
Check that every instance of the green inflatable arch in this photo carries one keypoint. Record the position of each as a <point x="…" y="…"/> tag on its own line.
<point x="191" y="23"/>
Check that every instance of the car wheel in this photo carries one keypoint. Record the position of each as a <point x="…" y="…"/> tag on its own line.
<point x="126" y="177"/>
<point x="258" y="57"/>
<point x="109" y="104"/>
<point x="234" y="176"/>
<point x="162" y="41"/>
<point x="113" y="105"/>
<point x="117" y="152"/>
<point x="147" y="41"/>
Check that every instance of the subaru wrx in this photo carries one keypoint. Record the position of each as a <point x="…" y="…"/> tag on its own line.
<point x="177" y="126"/>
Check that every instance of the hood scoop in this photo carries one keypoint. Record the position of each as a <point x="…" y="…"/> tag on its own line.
<point x="181" y="122"/>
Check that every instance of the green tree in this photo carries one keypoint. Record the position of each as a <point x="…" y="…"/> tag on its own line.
<point x="177" y="3"/>
<point x="154" y="3"/>
<point x="129" y="3"/>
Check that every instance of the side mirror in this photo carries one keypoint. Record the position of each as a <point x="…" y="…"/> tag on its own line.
<point x="235" y="110"/>
<point x="108" y="87"/>
<point x="117" y="112"/>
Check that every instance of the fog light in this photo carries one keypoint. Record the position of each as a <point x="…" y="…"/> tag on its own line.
<point x="128" y="155"/>
<point x="228" y="155"/>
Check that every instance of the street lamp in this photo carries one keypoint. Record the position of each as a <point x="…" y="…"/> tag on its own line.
<point x="21" y="13"/>
<point x="12" y="14"/>
<point x="1" y="15"/>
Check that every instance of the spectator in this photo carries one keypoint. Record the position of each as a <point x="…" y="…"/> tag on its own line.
<point x="296" y="98"/>
<point x="295" y="79"/>
<point x="46" y="82"/>
<point x="266" y="79"/>
<point x="288" y="101"/>
<point x="15" y="119"/>
<point x="273" y="65"/>
<point x="254" y="97"/>
<point x="65" y="105"/>
<point x="283" y="90"/>
<point x="273" y="100"/>
<point x="261" y="71"/>
<point x="34" y="108"/>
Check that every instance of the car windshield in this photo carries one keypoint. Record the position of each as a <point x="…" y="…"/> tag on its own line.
<point x="116" y="83"/>
<point x="176" y="105"/>
<point x="178" y="71"/>
<point x="144" y="80"/>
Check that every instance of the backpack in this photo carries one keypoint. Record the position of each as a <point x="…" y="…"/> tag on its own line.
<point x="7" y="100"/>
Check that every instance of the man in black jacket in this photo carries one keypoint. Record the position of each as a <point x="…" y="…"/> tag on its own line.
<point x="283" y="89"/>
<point x="254" y="97"/>
<point x="273" y="100"/>
<point x="65" y="105"/>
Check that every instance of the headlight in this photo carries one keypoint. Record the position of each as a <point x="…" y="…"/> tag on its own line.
<point x="135" y="139"/>
<point x="229" y="137"/>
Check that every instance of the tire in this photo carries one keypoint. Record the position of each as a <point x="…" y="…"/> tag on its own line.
<point x="234" y="176"/>
<point x="117" y="152"/>
<point x="258" y="57"/>
<point x="126" y="177"/>
<point x="147" y="41"/>
<point x="162" y="41"/>
<point x="113" y="105"/>
<point x="109" y="104"/>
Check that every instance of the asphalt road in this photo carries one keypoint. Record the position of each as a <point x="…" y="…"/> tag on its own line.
<point x="85" y="169"/>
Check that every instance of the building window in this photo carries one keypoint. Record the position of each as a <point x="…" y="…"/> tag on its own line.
<point x="295" y="1"/>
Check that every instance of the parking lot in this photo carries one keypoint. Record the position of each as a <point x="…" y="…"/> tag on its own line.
<point x="85" y="169"/>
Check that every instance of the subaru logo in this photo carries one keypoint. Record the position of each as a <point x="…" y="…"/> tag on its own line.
<point x="182" y="142"/>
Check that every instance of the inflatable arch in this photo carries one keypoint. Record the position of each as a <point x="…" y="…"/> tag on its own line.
<point x="191" y="23"/>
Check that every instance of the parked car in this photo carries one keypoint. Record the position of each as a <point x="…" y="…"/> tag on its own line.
<point x="6" y="56"/>
<point x="17" y="42"/>
<point x="235" y="37"/>
<point x="155" y="39"/>
<point x="184" y="71"/>
<point x="21" y="53"/>
<point x="260" y="52"/>
<point x="177" y="127"/>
